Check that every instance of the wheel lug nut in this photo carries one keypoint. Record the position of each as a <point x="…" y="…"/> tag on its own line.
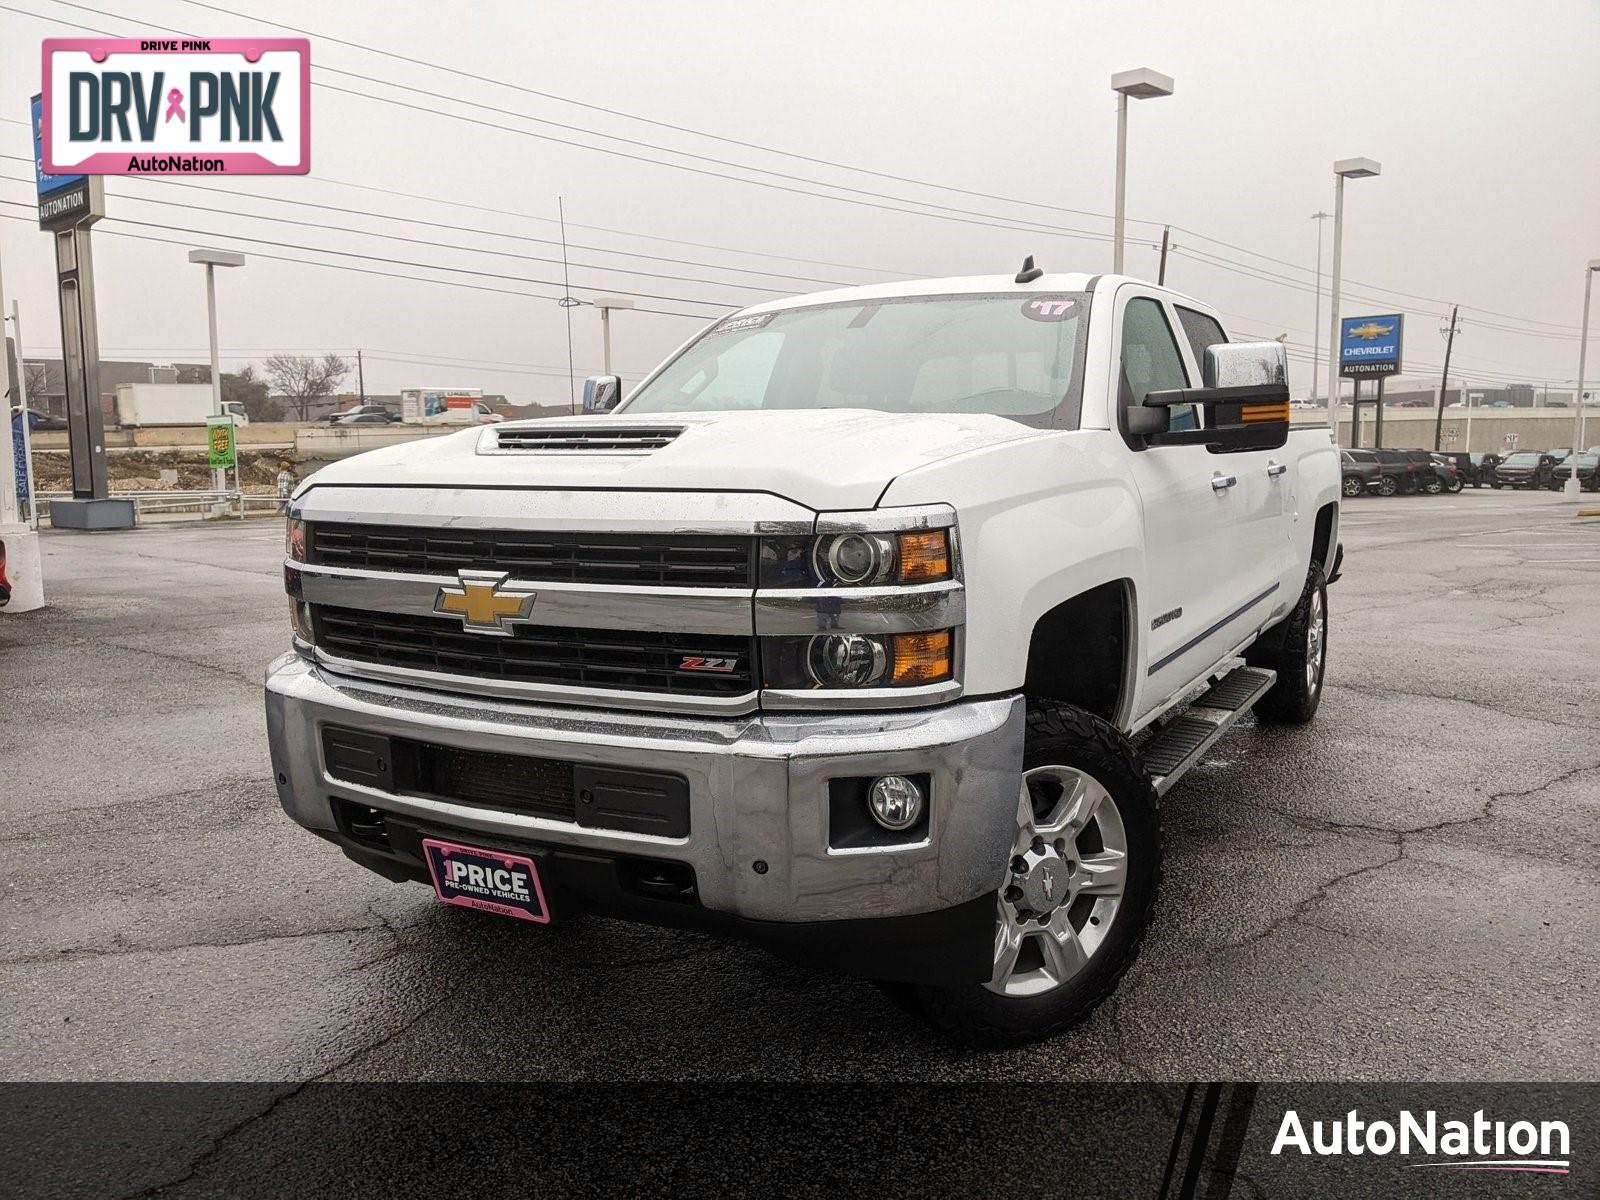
<point x="1019" y="865"/>
<point x="1013" y="894"/>
<point x="1061" y="845"/>
<point x="1038" y="842"/>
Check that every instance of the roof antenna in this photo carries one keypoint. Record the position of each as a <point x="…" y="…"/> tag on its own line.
<point x="1029" y="272"/>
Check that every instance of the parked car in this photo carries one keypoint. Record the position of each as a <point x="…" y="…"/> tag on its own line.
<point x="1361" y="472"/>
<point x="1425" y="475"/>
<point x="1399" y="472"/>
<point x="40" y="420"/>
<point x="1449" y="473"/>
<point x="1524" y="469"/>
<point x="1585" y="465"/>
<point x="1560" y="453"/>
<point x="1483" y="466"/>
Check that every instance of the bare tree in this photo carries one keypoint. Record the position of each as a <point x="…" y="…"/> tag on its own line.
<point x="37" y="378"/>
<point x="303" y="378"/>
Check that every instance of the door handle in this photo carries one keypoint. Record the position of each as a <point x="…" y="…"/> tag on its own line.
<point x="1275" y="469"/>
<point x="1223" y="482"/>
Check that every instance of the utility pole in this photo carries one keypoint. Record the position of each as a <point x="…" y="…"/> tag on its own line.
<point x="1316" y="333"/>
<point x="1161" y="276"/>
<point x="1444" y="379"/>
<point x="361" y="378"/>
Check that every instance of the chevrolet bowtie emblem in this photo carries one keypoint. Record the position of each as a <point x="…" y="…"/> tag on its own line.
<point x="485" y="603"/>
<point x="1370" y="331"/>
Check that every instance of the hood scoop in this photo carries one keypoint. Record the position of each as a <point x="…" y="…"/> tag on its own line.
<point x="574" y="439"/>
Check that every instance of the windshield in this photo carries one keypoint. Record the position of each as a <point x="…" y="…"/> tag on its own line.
<point x="1013" y="356"/>
<point x="1522" y="460"/>
<point x="1584" y="461"/>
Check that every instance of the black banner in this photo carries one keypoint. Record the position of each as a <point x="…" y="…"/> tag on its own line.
<point x="1023" y="1138"/>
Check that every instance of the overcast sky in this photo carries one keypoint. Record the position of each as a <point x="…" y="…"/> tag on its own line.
<point x="1485" y="116"/>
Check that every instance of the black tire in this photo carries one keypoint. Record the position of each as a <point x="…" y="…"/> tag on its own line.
<point x="1287" y="649"/>
<point x="1387" y="485"/>
<point x="972" y="1014"/>
<point x="1352" y="486"/>
<point x="1454" y="486"/>
<point x="1434" y="488"/>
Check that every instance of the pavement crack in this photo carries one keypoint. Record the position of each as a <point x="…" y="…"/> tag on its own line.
<point x="1368" y="689"/>
<point x="214" y="1150"/>
<point x="78" y="953"/>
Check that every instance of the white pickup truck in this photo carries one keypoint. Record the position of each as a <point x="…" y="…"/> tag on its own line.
<point x="870" y="628"/>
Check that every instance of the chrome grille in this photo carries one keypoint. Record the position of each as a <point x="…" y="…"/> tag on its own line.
<point x="587" y="658"/>
<point x="647" y="560"/>
<point x="621" y="439"/>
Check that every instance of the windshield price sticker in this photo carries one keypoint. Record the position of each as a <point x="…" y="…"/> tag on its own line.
<point x="740" y="324"/>
<point x="1048" y="308"/>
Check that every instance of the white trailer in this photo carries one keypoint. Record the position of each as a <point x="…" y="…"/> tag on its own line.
<point x="142" y="405"/>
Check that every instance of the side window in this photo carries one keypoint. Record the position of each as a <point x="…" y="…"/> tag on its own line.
<point x="1150" y="359"/>
<point x="1202" y="331"/>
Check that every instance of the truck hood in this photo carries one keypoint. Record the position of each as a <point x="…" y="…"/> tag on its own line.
<point x="825" y="459"/>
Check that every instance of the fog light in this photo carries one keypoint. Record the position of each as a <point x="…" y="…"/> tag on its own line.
<point x="895" y="801"/>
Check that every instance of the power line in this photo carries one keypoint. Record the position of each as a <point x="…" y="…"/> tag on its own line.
<point x="242" y="237"/>
<point x="964" y="213"/>
<point x="659" y="124"/>
<point x="943" y="211"/>
<point x="395" y="237"/>
<point x="475" y="287"/>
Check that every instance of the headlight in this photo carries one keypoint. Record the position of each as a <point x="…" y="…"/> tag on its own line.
<point x="857" y="559"/>
<point x="294" y="540"/>
<point x="842" y="661"/>
<point x="836" y="660"/>
<point x="854" y="559"/>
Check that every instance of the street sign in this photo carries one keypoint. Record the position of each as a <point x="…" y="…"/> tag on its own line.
<point x="64" y="200"/>
<point x="1370" y="346"/>
<point x="19" y="454"/>
<point x="220" y="442"/>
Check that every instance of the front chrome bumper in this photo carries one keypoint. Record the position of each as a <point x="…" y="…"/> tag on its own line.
<point x="758" y="787"/>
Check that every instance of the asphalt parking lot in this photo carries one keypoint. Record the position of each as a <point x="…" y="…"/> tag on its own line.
<point x="1406" y="889"/>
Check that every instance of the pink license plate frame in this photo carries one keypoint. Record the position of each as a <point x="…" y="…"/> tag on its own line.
<point x="495" y="881"/>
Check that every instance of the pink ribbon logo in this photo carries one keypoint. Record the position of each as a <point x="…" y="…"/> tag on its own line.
<point x="175" y="105"/>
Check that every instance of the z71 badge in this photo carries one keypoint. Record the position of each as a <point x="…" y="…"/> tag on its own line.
<point x="722" y="665"/>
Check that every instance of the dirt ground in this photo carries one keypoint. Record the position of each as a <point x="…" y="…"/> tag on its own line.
<point x="140" y="470"/>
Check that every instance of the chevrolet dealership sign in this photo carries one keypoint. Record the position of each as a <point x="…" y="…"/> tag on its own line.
<point x="1370" y="346"/>
<point x="168" y="106"/>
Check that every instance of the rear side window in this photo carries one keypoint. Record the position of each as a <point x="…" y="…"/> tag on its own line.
<point x="1150" y="359"/>
<point x="1202" y="331"/>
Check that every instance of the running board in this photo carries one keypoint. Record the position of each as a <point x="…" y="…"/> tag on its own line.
<point x="1185" y="740"/>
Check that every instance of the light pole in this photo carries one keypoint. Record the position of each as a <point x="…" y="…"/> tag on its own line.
<point x="605" y="304"/>
<point x="1316" y="321"/>
<point x="1143" y="84"/>
<point x="1345" y="168"/>
<point x="212" y="259"/>
<point x="1573" y="489"/>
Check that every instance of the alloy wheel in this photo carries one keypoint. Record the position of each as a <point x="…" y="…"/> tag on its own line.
<point x="1316" y="635"/>
<point x="1064" y="886"/>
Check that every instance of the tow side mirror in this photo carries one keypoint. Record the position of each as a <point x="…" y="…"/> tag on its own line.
<point x="601" y="393"/>
<point x="1245" y="399"/>
<point x="1245" y="364"/>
